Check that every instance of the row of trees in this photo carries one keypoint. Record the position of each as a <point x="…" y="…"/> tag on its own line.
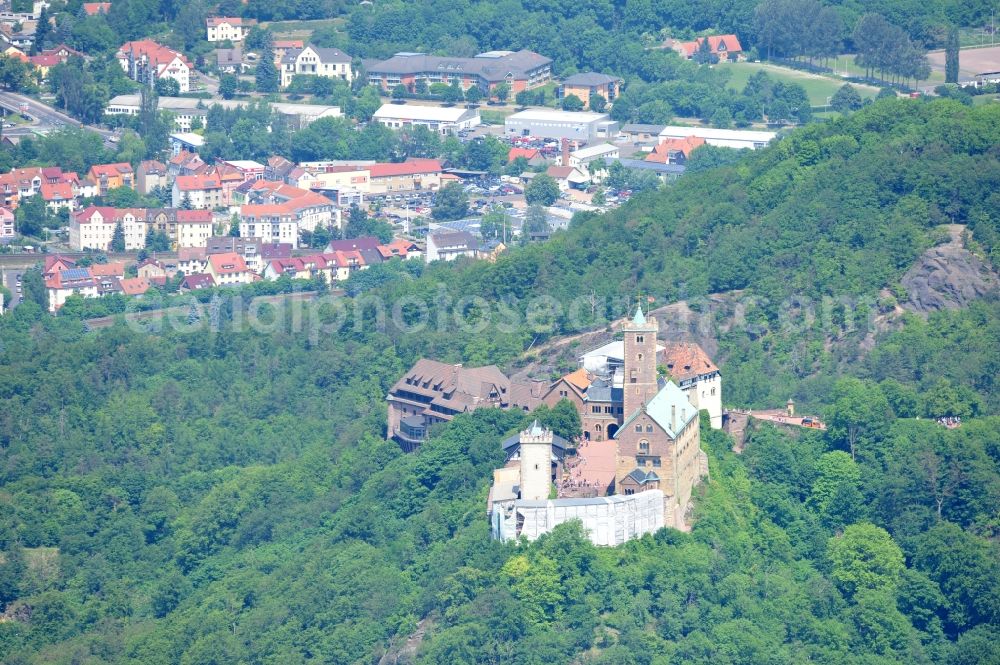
<point x="886" y="50"/>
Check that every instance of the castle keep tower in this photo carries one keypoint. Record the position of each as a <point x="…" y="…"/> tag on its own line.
<point x="640" y="384"/>
<point x="536" y="463"/>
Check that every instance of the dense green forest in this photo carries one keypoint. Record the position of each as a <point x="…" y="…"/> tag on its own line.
<point x="227" y="496"/>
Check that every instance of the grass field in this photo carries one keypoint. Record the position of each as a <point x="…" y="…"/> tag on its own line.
<point x="818" y="88"/>
<point x="844" y="64"/>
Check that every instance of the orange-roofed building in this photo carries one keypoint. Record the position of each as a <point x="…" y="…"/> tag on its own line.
<point x="58" y="195"/>
<point x="404" y="249"/>
<point x="146" y="61"/>
<point x="199" y="192"/>
<point x="531" y="155"/>
<point x="134" y="286"/>
<point x="675" y="151"/>
<point x="229" y="269"/>
<point x="110" y="269"/>
<point x="726" y="48"/>
<point x="95" y="8"/>
<point x="43" y="63"/>
<point x="111" y="176"/>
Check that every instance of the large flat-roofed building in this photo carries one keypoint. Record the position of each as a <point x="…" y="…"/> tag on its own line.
<point x="522" y="70"/>
<point x="439" y="119"/>
<point x="550" y="124"/>
<point x="724" y="138"/>
<point x="186" y="109"/>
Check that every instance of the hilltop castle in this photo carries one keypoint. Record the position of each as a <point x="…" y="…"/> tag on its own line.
<point x="639" y="460"/>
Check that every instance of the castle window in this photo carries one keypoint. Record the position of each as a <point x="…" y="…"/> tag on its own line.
<point x="595" y="409"/>
<point x="713" y="391"/>
<point x="638" y="428"/>
<point x="649" y="428"/>
<point x="639" y="339"/>
<point x="644" y="446"/>
<point x="640" y="357"/>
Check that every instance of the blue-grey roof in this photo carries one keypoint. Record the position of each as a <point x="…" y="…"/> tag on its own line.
<point x="641" y="477"/>
<point x="75" y="274"/>
<point x="670" y="401"/>
<point x="643" y="165"/>
<point x="590" y="78"/>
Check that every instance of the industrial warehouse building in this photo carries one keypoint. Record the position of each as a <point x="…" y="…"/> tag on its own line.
<point x="439" y="119"/>
<point x="550" y="124"/>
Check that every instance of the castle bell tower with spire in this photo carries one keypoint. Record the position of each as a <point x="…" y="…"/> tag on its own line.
<point x="640" y="380"/>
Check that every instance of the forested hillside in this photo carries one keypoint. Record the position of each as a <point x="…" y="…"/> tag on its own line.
<point x="219" y="497"/>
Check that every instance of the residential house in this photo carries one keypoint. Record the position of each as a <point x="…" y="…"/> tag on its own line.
<point x="674" y="151"/>
<point x="533" y="156"/>
<point x="521" y="70"/>
<point x="150" y="175"/>
<point x="94" y="228"/>
<point x="111" y="176"/>
<point x="134" y="286"/>
<point x="58" y="196"/>
<point x="447" y="245"/>
<point x="43" y="63"/>
<point x="192" y="260"/>
<point x="7" y="226"/>
<point x="194" y="228"/>
<point x="403" y="249"/>
<point x="413" y="174"/>
<point x="315" y="61"/>
<point x="197" y="192"/>
<point x="590" y="84"/>
<point x="71" y="281"/>
<point x="249" y="248"/>
<point x="226" y="28"/>
<point x="95" y="8"/>
<point x="146" y="61"/>
<point x="725" y="48"/>
<point x="152" y="268"/>
<point x="283" y="46"/>
<point x="228" y="269"/>
<point x="434" y="392"/>
<point x="439" y="119"/>
<point x="229" y="60"/>
<point x="568" y="177"/>
<point x="196" y="282"/>
<point x="641" y="133"/>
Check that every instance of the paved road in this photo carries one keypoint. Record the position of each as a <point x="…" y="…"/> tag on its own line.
<point x="46" y="118"/>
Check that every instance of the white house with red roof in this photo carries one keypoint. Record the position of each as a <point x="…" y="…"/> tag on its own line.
<point x="146" y="61"/>
<point x="200" y="192"/>
<point x="7" y="230"/>
<point x="226" y="28"/>
<point x="229" y="269"/>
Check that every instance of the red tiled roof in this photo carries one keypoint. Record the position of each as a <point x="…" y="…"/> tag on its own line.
<point x="92" y="8"/>
<point x="731" y="41"/>
<point x="685" y="360"/>
<point x="288" y="43"/>
<point x="45" y="60"/>
<point x="409" y="167"/>
<point x="110" y="170"/>
<point x="134" y="286"/>
<point x="194" y="216"/>
<point x="219" y="20"/>
<point x="157" y="54"/>
<point x="527" y="153"/>
<point x="661" y="153"/>
<point x="56" y="191"/>
<point x="228" y="263"/>
<point x="114" y="269"/>
<point x="190" y="183"/>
